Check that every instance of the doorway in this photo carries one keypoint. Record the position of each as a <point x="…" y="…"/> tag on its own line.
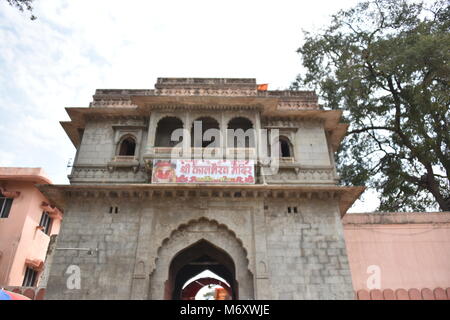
<point x="200" y="257"/>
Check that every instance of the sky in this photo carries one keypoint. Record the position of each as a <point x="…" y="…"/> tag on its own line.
<point x="75" y="47"/>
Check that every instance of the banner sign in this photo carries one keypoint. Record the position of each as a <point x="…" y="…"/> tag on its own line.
<point x="203" y="171"/>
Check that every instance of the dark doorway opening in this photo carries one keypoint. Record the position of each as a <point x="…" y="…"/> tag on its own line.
<point x="195" y="259"/>
<point x="207" y="123"/>
<point x="127" y="147"/>
<point x="285" y="148"/>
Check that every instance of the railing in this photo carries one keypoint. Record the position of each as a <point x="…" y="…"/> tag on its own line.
<point x="287" y="159"/>
<point x="207" y="152"/>
<point x="124" y="158"/>
<point x="241" y="153"/>
<point x="177" y="152"/>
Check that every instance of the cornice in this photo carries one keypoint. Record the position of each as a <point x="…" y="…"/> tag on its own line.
<point x="58" y="194"/>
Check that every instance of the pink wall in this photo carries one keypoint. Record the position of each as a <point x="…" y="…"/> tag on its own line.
<point x="20" y="239"/>
<point x="410" y="250"/>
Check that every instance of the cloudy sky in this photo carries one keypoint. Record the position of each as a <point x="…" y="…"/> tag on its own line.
<point x="75" y="47"/>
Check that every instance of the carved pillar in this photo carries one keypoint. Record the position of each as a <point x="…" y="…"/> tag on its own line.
<point x="187" y="135"/>
<point x="261" y="277"/>
<point x="223" y="132"/>
<point x="258" y="135"/>
<point x="151" y="135"/>
<point x="299" y="134"/>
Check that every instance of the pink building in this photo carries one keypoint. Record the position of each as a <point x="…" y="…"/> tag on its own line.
<point x="399" y="255"/>
<point x="27" y="222"/>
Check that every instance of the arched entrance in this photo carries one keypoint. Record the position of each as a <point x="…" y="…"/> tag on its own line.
<point x="199" y="257"/>
<point x="193" y="247"/>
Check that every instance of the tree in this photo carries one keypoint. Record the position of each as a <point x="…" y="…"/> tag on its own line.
<point x="386" y="64"/>
<point x="22" y="5"/>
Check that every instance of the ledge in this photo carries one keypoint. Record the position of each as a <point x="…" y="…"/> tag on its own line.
<point x="346" y="196"/>
<point x="384" y="218"/>
<point x="123" y="162"/>
<point x="35" y="175"/>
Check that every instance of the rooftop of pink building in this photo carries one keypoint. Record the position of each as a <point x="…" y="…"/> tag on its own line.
<point x="35" y="175"/>
<point x="396" y="218"/>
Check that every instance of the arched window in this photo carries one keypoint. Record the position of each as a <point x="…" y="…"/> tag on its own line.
<point x="127" y="147"/>
<point x="206" y="124"/>
<point x="164" y="131"/>
<point x="285" y="148"/>
<point x="239" y="135"/>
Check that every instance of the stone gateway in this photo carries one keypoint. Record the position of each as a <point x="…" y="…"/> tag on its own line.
<point x="273" y="231"/>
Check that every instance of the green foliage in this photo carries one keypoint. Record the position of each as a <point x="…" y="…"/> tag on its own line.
<point x="23" y="5"/>
<point x="386" y="63"/>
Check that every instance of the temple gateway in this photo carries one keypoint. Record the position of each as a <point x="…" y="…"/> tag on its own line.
<point x="202" y="174"/>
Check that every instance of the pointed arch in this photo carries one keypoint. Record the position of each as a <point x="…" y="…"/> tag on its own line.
<point x="207" y="123"/>
<point x="164" y="129"/>
<point x="127" y="145"/>
<point x="286" y="147"/>
<point x="197" y="234"/>
<point x="240" y="133"/>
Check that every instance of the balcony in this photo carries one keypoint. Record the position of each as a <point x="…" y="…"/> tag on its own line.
<point x="123" y="162"/>
<point x="287" y="160"/>
<point x="241" y="153"/>
<point x="125" y="159"/>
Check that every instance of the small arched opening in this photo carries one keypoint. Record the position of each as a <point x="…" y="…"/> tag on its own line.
<point x="166" y="126"/>
<point x="127" y="146"/>
<point x="285" y="148"/>
<point x="240" y="133"/>
<point x="198" y="129"/>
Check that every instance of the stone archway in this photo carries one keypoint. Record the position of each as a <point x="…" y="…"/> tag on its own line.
<point x="200" y="239"/>
<point x="196" y="258"/>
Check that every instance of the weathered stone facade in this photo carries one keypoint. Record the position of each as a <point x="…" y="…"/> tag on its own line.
<point x="280" y="238"/>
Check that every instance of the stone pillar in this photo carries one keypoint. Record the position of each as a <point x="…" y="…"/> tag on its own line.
<point x="187" y="138"/>
<point x="258" y="139"/>
<point x="223" y="131"/>
<point x="151" y="136"/>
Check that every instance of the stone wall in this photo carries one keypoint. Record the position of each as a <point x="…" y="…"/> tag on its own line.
<point x="306" y="251"/>
<point x="96" y="155"/>
<point x="278" y="254"/>
<point x="311" y="145"/>
<point x="97" y="144"/>
<point x="106" y="272"/>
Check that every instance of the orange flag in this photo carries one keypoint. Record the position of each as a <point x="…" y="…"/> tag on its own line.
<point x="263" y="87"/>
